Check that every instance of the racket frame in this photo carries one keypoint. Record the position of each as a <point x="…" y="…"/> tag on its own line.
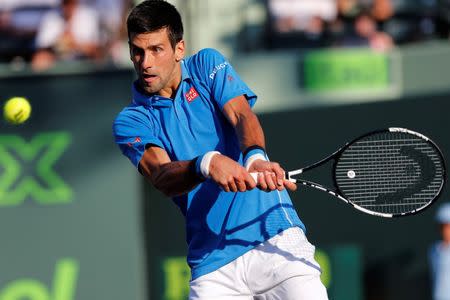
<point x="339" y="194"/>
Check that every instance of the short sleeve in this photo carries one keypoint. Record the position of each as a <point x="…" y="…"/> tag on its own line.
<point x="133" y="131"/>
<point x="50" y="29"/>
<point x="86" y="25"/>
<point x="223" y="81"/>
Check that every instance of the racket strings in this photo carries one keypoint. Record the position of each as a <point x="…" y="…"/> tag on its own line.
<point x="390" y="172"/>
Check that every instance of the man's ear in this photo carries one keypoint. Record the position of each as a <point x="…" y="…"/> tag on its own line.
<point x="179" y="51"/>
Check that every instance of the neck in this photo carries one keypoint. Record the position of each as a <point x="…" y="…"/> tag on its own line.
<point x="170" y="90"/>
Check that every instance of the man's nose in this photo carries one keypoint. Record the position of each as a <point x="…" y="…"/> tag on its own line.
<point x="148" y="61"/>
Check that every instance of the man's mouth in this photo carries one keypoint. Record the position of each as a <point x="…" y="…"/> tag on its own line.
<point x="149" y="77"/>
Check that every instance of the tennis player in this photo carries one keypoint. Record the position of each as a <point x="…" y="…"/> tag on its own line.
<point x="191" y="132"/>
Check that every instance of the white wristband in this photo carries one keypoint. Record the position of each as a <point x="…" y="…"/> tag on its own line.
<point x="252" y="158"/>
<point x="206" y="161"/>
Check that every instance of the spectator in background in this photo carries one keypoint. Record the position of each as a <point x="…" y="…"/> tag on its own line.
<point x="70" y="33"/>
<point x="348" y="8"/>
<point x="299" y="23"/>
<point x="19" y="21"/>
<point x="366" y="34"/>
<point x="316" y="24"/>
<point x="113" y="35"/>
<point x="315" y="29"/>
<point x="296" y="15"/>
<point x="382" y="10"/>
<point x="439" y="256"/>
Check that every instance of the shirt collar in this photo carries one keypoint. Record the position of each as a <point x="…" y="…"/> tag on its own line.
<point x="184" y="71"/>
<point x="146" y="100"/>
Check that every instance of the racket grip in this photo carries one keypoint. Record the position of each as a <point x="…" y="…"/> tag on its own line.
<point x="255" y="176"/>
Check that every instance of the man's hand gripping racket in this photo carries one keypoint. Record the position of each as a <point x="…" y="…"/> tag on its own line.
<point x="388" y="173"/>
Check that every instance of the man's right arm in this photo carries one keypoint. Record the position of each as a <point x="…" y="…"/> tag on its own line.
<point x="175" y="178"/>
<point x="171" y="178"/>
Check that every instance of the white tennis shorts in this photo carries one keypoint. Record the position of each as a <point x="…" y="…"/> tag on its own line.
<point x="281" y="268"/>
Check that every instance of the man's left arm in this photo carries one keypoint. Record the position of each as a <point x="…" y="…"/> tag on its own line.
<point x="249" y="131"/>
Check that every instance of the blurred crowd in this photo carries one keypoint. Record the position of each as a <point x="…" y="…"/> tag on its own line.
<point x="379" y="24"/>
<point x="43" y="32"/>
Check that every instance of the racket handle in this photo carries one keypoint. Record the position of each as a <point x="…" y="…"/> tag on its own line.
<point x="255" y="176"/>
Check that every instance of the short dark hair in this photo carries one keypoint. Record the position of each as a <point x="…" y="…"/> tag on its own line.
<point x="153" y="15"/>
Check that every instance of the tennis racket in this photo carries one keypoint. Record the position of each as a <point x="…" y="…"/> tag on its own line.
<point x="387" y="173"/>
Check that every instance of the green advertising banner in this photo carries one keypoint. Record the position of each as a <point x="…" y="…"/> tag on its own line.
<point x="21" y="160"/>
<point x="63" y="288"/>
<point x="69" y="202"/>
<point x="345" y="70"/>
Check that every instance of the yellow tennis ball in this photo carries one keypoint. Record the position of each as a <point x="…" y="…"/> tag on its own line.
<point x="17" y="110"/>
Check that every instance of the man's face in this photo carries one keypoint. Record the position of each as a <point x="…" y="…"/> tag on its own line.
<point x="155" y="61"/>
<point x="69" y="8"/>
